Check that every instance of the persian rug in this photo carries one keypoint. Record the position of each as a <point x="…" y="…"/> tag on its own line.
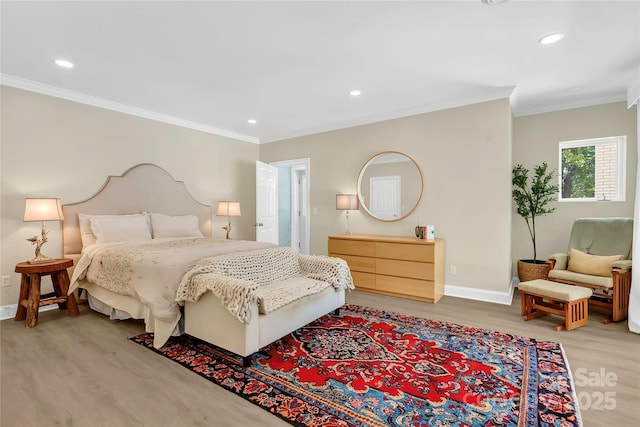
<point x="367" y="367"/>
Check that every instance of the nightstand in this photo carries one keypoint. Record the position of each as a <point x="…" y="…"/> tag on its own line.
<point x="30" y="299"/>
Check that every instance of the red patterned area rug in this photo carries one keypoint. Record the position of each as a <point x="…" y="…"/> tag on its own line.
<point x="366" y="367"/>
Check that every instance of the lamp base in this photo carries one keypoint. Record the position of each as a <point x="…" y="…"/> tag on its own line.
<point x="227" y="228"/>
<point x="41" y="259"/>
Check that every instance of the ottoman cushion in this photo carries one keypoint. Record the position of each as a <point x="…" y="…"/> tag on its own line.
<point x="558" y="291"/>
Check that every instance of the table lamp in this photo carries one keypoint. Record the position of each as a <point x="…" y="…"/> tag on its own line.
<point x="228" y="209"/>
<point x="346" y="202"/>
<point x="41" y="210"/>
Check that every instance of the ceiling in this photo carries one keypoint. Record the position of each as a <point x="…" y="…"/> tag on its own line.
<point x="291" y="65"/>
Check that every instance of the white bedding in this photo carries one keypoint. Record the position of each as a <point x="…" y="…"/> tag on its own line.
<point x="150" y="271"/>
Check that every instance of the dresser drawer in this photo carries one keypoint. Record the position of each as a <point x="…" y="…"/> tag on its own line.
<point x="417" y="252"/>
<point x="359" y="263"/>
<point x="352" y="247"/>
<point x="410" y="269"/>
<point x="393" y="265"/>
<point x="364" y="280"/>
<point x="401" y="285"/>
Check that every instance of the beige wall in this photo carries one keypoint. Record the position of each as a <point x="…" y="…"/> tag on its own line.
<point x="57" y="148"/>
<point x="465" y="154"/>
<point x="535" y="140"/>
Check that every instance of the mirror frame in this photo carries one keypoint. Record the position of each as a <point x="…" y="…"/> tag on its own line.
<point x="359" y="182"/>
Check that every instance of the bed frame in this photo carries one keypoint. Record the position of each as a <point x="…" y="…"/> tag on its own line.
<point x="144" y="187"/>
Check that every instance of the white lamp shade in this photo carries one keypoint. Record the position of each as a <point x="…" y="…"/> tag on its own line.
<point x="228" y="209"/>
<point x="42" y="210"/>
<point x="347" y="202"/>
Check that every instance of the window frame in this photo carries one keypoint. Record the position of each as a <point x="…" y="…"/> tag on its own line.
<point x="621" y="165"/>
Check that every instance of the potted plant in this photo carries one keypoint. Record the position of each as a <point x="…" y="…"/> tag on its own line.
<point x="532" y="200"/>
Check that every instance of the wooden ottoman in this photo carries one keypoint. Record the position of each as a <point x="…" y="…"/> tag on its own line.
<point x="541" y="297"/>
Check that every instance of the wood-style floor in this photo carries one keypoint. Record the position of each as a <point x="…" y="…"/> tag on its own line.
<point x="83" y="371"/>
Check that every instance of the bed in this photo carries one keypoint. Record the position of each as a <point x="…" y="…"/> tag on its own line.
<point x="179" y="234"/>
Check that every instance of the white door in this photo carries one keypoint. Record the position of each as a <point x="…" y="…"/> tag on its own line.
<point x="385" y="196"/>
<point x="266" y="203"/>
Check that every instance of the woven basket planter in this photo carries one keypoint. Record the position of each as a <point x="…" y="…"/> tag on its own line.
<point x="530" y="270"/>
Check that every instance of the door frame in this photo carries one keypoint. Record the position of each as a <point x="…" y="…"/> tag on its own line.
<point x="300" y="164"/>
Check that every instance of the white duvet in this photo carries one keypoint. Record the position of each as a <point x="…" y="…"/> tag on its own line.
<point x="150" y="271"/>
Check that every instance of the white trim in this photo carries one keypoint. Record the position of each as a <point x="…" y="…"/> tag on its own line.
<point x="17" y="82"/>
<point x="485" y="295"/>
<point x="590" y="102"/>
<point x="633" y="92"/>
<point x="9" y="311"/>
<point x="621" y="166"/>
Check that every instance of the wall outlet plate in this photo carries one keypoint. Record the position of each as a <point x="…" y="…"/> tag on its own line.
<point x="6" y="281"/>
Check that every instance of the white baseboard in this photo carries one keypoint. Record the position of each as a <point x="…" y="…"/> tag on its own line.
<point x="9" y="311"/>
<point x="496" y="297"/>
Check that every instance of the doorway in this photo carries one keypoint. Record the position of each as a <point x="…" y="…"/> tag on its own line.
<point x="294" y="221"/>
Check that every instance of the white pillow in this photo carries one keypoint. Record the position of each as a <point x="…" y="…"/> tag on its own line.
<point x="120" y="228"/>
<point x="86" y="234"/>
<point x="174" y="226"/>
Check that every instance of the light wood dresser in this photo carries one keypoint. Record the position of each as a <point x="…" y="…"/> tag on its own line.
<point x="399" y="266"/>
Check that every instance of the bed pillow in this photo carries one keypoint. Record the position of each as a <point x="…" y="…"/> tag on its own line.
<point x="174" y="226"/>
<point x="86" y="234"/>
<point x="120" y="228"/>
<point x="595" y="265"/>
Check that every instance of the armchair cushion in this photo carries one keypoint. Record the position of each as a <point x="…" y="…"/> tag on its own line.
<point x="602" y="236"/>
<point x="587" y="279"/>
<point x="561" y="261"/>
<point x="624" y="264"/>
<point x="597" y="265"/>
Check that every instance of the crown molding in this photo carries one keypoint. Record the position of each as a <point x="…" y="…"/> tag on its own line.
<point x="590" y="102"/>
<point x="20" y="83"/>
<point x="633" y="91"/>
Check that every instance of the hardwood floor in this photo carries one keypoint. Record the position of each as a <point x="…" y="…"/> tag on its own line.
<point x="83" y="371"/>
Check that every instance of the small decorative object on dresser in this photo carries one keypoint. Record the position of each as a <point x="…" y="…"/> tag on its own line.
<point x="30" y="299"/>
<point x="399" y="266"/>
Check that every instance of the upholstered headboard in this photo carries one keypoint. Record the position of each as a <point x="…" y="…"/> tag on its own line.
<point x="144" y="187"/>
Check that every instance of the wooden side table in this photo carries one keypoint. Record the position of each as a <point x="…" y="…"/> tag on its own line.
<point x="30" y="299"/>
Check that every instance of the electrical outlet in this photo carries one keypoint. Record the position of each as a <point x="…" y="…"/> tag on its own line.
<point x="452" y="270"/>
<point x="6" y="281"/>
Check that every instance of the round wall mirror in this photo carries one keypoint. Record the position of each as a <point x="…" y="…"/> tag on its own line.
<point x="390" y="186"/>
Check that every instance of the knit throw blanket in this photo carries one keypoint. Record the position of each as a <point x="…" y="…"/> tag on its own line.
<point x="270" y="278"/>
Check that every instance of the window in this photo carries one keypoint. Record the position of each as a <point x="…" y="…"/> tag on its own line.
<point x="592" y="169"/>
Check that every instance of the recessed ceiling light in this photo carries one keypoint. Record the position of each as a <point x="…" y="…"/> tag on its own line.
<point x="355" y="93"/>
<point x="551" y="38"/>
<point x="252" y="121"/>
<point x="63" y="63"/>
<point x="493" y="2"/>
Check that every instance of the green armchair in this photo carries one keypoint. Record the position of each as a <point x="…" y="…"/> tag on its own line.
<point x="599" y="258"/>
